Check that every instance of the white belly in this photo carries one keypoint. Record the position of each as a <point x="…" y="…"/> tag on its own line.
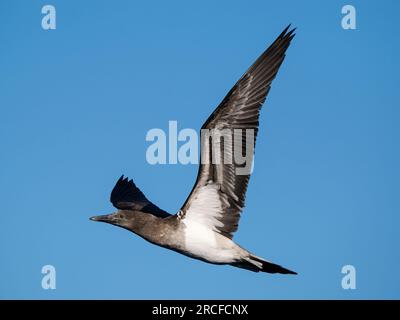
<point x="203" y="243"/>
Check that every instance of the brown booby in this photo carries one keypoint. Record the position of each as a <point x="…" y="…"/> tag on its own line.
<point x="203" y="228"/>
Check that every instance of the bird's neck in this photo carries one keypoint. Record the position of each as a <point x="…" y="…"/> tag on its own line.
<point x="144" y="224"/>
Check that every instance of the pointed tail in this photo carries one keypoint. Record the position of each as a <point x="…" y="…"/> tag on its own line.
<point x="258" y="264"/>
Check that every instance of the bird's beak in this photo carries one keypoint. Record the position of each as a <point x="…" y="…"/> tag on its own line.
<point x="109" y="218"/>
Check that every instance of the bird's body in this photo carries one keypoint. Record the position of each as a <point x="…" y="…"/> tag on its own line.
<point x="208" y="245"/>
<point x="203" y="229"/>
<point x="190" y="239"/>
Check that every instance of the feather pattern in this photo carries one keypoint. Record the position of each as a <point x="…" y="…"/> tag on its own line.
<point x="218" y="195"/>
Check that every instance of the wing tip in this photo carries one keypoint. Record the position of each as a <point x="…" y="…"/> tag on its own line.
<point x="287" y="33"/>
<point x="120" y="187"/>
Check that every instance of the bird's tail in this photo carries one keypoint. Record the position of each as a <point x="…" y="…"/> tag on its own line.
<point x="257" y="264"/>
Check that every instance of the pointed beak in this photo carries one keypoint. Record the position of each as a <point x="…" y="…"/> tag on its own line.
<point x="105" y="218"/>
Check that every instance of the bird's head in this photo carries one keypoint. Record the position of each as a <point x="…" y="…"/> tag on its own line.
<point x="120" y="218"/>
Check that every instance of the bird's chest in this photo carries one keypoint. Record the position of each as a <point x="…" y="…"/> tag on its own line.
<point x="167" y="236"/>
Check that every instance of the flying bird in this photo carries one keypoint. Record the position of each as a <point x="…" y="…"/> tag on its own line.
<point x="204" y="227"/>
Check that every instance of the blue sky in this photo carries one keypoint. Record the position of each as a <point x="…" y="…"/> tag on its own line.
<point x="76" y="104"/>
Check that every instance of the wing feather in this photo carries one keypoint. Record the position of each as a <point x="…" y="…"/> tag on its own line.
<point x="218" y="195"/>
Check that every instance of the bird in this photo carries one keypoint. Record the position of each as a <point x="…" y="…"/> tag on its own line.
<point x="204" y="227"/>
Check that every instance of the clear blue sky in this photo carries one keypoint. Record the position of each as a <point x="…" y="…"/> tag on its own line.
<point x="76" y="104"/>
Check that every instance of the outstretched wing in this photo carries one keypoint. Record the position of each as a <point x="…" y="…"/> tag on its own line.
<point x="126" y="196"/>
<point x="218" y="195"/>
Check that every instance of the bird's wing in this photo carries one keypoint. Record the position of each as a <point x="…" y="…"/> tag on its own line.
<point x="218" y="195"/>
<point x="126" y="196"/>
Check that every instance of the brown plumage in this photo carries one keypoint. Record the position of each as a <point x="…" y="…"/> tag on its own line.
<point x="204" y="227"/>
